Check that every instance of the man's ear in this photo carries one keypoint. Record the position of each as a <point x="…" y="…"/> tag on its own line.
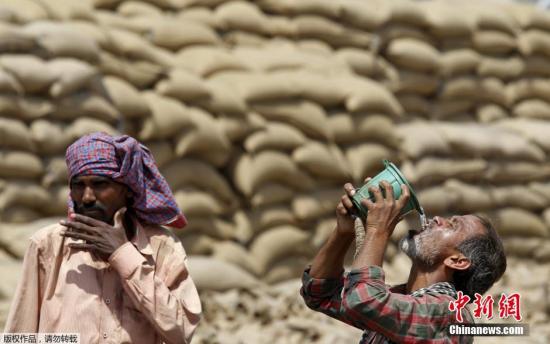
<point x="457" y="261"/>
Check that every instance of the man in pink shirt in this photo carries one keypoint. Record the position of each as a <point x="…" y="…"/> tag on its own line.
<point x="110" y="272"/>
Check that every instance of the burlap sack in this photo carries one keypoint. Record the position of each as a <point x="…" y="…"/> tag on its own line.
<point x="237" y="129"/>
<point x="362" y="62"/>
<point x="515" y="221"/>
<point x="62" y="10"/>
<point x="271" y="193"/>
<point x="280" y="26"/>
<point x="316" y="27"/>
<point x="363" y="127"/>
<point x="534" y="41"/>
<point x="451" y="109"/>
<point x="459" y="61"/>
<point x="196" y="243"/>
<point x="431" y="170"/>
<point x="533" y="129"/>
<point x="470" y="198"/>
<point x="318" y="88"/>
<point x="71" y="75"/>
<point x="325" y="8"/>
<point x="189" y="172"/>
<point x="223" y="99"/>
<point x="532" y="109"/>
<point x="396" y="31"/>
<point x="9" y="84"/>
<point x="516" y="172"/>
<point x="444" y="22"/>
<point x="494" y="42"/>
<point x="242" y="38"/>
<point x="20" y="215"/>
<point x="414" y="54"/>
<point x="414" y="105"/>
<point x="124" y="97"/>
<point x="536" y="66"/>
<point x="420" y="138"/>
<point x="278" y="136"/>
<point x="257" y="87"/>
<point x="15" y="134"/>
<point x="168" y="117"/>
<point x="205" y="60"/>
<point x="323" y="229"/>
<point x="27" y="108"/>
<point x="365" y="15"/>
<point x="502" y="68"/>
<point x="241" y="15"/>
<point x="521" y="246"/>
<point x="406" y="81"/>
<point x="133" y="46"/>
<point x="183" y="85"/>
<point x="55" y="172"/>
<point x="306" y="116"/>
<point x="205" y="140"/>
<point x="206" y="272"/>
<point x="196" y="203"/>
<point x="460" y="87"/>
<point x="265" y="218"/>
<point x="199" y="14"/>
<point x="162" y="152"/>
<point x="366" y="159"/>
<point x="176" y="34"/>
<point x="85" y="125"/>
<point x="541" y="189"/>
<point x="139" y="9"/>
<point x="235" y="254"/>
<point x="529" y="88"/>
<point x="492" y="17"/>
<point x="438" y="199"/>
<point x="519" y="197"/>
<point x="406" y="12"/>
<point x="24" y="11"/>
<point x="489" y="113"/>
<point x="31" y="72"/>
<point x="23" y="194"/>
<point x="141" y="74"/>
<point x="49" y="137"/>
<point x="325" y="161"/>
<point x="85" y="104"/>
<point x="369" y="96"/>
<point x="493" y="90"/>
<point x="317" y="204"/>
<point x="286" y="269"/>
<point x="17" y="164"/>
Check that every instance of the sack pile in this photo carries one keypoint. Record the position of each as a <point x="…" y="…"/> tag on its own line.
<point x="257" y="113"/>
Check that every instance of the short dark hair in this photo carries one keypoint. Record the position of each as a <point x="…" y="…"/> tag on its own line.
<point x="488" y="261"/>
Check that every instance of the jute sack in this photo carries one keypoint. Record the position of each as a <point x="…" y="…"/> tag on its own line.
<point x="459" y="61"/>
<point x="516" y="221"/>
<point x="438" y="199"/>
<point x="533" y="129"/>
<point x="207" y="60"/>
<point x="365" y="15"/>
<point x="397" y="31"/>
<point x="414" y="105"/>
<point x="519" y="197"/>
<point x="205" y="272"/>
<point x="63" y="10"/>
<point x="470" y="198"/>
<point x="460" y="87"/>
<point x="224" y="99"/>
<point x="406" y="12"/>
<point x="361" y="127"/>
<point x="421" y="138"/>
<point x="55" y="172"/>
<point x="242" y="38"/>
<point x="369" y="96"/>
<point x="198" y="203"/>
<point x="492" y="89"/>
<point x="72" y="75"/>
<point x="168" y="117"/>
<point x="15" y="40"/>
<point x="31" y="72"/>
<point x="272" y="56"/>
<point x="237" y="129"/>
<point x="49" y="137"/>
<point x="316" y="204"/>
<point x="24" y="194"/>
<point x="279" y="26"/>
<point x="26" y="108"/>
<point x="325" y="8"/>
<point x="235" y="254"/>
<point x="141" y="74"/>
<point x="24" y="11"/>
<point x="133" y="46"/>
<point x="431" y="170"/>
<point x="205" y="140"/>
<point x="176" y="34"/>
<point x="542" y="254"/>
<point x="529" y="88"/>
<point x="251" y="172"/>
<point x="124" y="97"/>
<point x="541" y="189"/>
<point x="489" y="113"/>
<point x="414" y="54"/>
<point x="494" y="42"/>
<point x="85" y="104"/>
<point x="502" y="68"/>
<point x="451" y="109"/>
<point x="241" y="15"/>
<point x="532" y="109"/>
<point x="196" y="244"/>
<point x="162" y="152"/>
<point x="325" y="161"/>
<point x="190" y="172"/>
<point x="198" y="14"/>
<point x="276" y="243"/>
<point x="17" y="164"/>
<point x="19" y="214"/>
<point x="14" y="238"/>
<point x="323" y="229"/>
<point x="318" y="88"/>
<point x="444" y="22"/>
<point x="211" y="227"/>
<point x="268" y="217"/>
<point x="91" y="30"/>
<point x="15" y="134"/>
<point x="271" y="193"/>
<point x="406" y="81"/>
<point x="278" y="136"/>
<point x="492" y="17"/>
<point x="362" y="62"/>
<point x="366" y="159"/>
<point x="316" y="27"/>
<point x="139" y="9"/>
<point x="183" y="85"/>
<point x="57" y="204"/>
<point x="534" y="41"/>
<point x="521" y="246"/>
<point x="536" y="66"/>
<point x="9" y="84"/>
<point x="308" y="117"/>
<point x="286" y="269"/>
<point x="516" y="172"/>
<point x="85" y="125"/>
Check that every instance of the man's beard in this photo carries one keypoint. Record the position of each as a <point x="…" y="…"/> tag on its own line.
<point x="421" y="249"/>
<point x="96" y="211"/>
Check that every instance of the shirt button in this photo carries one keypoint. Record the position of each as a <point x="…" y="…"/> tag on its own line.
<point x="107" y="301"/>
<point x="104" y="334"/>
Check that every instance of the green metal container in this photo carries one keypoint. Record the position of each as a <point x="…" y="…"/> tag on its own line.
<point x="392" y="175"/>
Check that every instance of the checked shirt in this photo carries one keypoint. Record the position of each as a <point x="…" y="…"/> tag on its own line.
<point x="362" y="299"/>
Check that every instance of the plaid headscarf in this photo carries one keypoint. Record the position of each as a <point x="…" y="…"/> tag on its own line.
<point x="125" y="160"/>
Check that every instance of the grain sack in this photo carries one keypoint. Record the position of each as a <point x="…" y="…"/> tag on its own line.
<point x="532" y="109"/>
<point x="124" y="97"/>
<point x="256" y="87"/>
<point x="272" y="216"/>
<point x="9" y="84"/>
<point x="205" y="140"/>
<point x="431" y="170"/>
<point x="268" y="166"/>
<point x="278" y="26"/>
<point x="325" y="161"/>
<point x="183" y="85"/>
<point x="494" y="42"/>
<point x="516" y="172"/>
<point x="366" y="159"/>
<point x="195" y="203"/>
<point x="57" y="204"/>
<point x="420" y="138"/>
<point x="459" y="61"/>
<point x="365" y="15"/>
<point x="318" y="88"/>
<point x="202" y="15"/>
<point x="492" y="17"/>
<point x="224" y="99"/>
<point x="323" y="229"/>
<point x="521" y="246"/>
<point x="176" y="34"/>
<point x="241" y="15"/>
<point x="407" y="12"/>
<point x="49" y="137"/>
<point x="515" y="221"/>
<point x="212" y="227"/>
<point x="196" y="244"/>
<point x="437" y="200"/>
<point x="206" y="272"/>
<point x="405" y="81"/>
<point x="490" y="113"/>
<point x="17" y="164"/>
<point x="316" y="27"/>
<point x="235" y="254"/>
<point x="55" y="172"/>
<point x="534" y="41"/>
<point x="447" y="109"/>
<point x="277" y="136"/>
<point x="24" y="11"/>
<point x="31" y="72"/>
<point x="401" y="31"/>
<point x="271" y="193"/>
<point x="493" y="90"/>
<point x="317" y="204"/>
<point x="23" y="194"/>
<point x="306" y="116"/>
<point x="20" y="215"/>
<point x="414" y="105"/>
<point x="460" y="87"/>
<point x="536" y="65"/>
<point x="168" y="117"/>
<point x="162" y="152"/>
<point x="286" y="269"/>
<point x="242" y="38"/>
<point x="84" y="126"/>
<point x="139" y="9"/>
<point x="518" y="196"/>
<point x="141" y="74"/>
<point x="369" y="96"/>
<point x="15" y="134"/>
<point x="533" y="129"/>
<point x="542" y="253"/>
<point x="71" y="76"/>
<point x="469" y="198"/>
<point x="276" y="243"/>
<point x="237" y="129"/>
<point x="85" y="104"/>
<point x="189" y="172"/>
<point x="206" y="60"/>
<point x="14" y="238"/>
<point x="375" y="128"/>
<point x="325" y="8"/>
<point x="529" y="88"/>
<point x="63" y="10"/>
<point x="414" y="54"/>
<point x="272" y="56"/>
<point x="133" y="46"/>
<point x="90" y="30"/>
<point x="444" y="22"/>
<point x="502" y="68"/>
<point x="362" y="62"/>
<point x="14" y="40"/>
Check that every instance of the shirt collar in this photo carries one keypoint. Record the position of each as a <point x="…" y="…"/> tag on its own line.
<point x="140" y="239"/>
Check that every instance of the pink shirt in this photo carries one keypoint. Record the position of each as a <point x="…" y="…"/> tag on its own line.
<point x="143" y="294"/>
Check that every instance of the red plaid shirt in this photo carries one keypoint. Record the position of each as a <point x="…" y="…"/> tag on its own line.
<point x="362" y="299"/>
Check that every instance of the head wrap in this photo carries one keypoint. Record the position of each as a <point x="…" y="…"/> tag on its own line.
<point x="125" y="160"/>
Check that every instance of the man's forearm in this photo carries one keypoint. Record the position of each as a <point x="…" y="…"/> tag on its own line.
<point x="372" y="252"/>
<point x="329" y="261"/>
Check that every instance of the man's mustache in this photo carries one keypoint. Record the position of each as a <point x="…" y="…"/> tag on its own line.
<point x="81" y="208"/>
